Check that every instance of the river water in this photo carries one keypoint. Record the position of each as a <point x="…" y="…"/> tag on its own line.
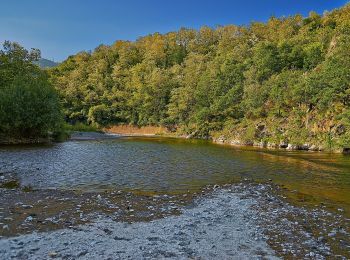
<point x="168" y="165"/>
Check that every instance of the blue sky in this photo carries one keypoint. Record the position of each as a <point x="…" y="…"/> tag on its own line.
<point x="64" y="27"/>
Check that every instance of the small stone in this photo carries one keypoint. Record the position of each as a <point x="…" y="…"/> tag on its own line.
<point x="29" y="218"/>
<point x="53" y="254"/>
<point x="82" y="253"/>
<point x="27" y="206"/>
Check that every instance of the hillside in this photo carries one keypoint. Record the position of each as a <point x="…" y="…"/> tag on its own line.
<point x="282" y="82"/>
<point x="45" y="63"/>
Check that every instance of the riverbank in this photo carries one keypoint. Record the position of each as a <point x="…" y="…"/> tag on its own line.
<point x="148" y="131"/>
<point x="243" y="220"/>
<point x="130" y="130"/>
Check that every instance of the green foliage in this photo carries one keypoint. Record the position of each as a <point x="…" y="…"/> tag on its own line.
<point x="99" y="115"/>
<point x="289" y="71"/>
<point x="29" y="105"/>
<point x="80" y="127"/>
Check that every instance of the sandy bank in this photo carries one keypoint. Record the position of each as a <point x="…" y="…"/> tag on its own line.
<point x="129" y="130"/>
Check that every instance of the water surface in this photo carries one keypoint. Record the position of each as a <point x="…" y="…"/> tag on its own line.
<point x="176" y="166"/>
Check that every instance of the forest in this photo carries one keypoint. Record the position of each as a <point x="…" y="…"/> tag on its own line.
<point x="283" y="81"/>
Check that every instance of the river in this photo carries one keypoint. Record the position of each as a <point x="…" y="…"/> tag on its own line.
<point x="175" y="166"/>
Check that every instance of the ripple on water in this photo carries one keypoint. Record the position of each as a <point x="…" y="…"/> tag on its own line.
<point x="173" y="165"/>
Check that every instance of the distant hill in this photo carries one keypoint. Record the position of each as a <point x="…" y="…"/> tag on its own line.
<point x="45" y="63"/>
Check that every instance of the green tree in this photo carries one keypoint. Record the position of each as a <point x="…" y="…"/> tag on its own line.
<point x="29" y="106"/>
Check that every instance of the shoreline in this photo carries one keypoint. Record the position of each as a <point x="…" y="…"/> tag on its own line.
<point x="219" y="141"/>
<point x="109" y="133"/>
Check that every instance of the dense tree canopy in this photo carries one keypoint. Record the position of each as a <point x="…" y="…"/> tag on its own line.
<point x="29" y="105"/>
<point x="290" y="75"/>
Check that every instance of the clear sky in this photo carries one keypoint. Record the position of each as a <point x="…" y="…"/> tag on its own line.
<point x="60" y="28"/>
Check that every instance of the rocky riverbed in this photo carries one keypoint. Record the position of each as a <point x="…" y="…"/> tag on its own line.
<point x="243" y="220"/>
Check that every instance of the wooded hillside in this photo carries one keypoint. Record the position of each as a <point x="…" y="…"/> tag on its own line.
<point x="286" y="80"/>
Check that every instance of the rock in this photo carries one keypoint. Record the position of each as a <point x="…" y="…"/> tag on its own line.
<point x="191" y="135"/>
<point x="260" y="144"/>
<point x="235" y="142"/>
<point x="82" y="253"/>
<point x="220" y="139"/>
<point x="346" y="150"/>
<point x="340" y="130"/>
<point x="283" y="144"/>
<point x="332" y="234"/>
<point x="260" y="128"/>
<point x="313" y="148"/>
<point x="305" y="147"/>
<point x="292" y="147"/>
<point x="53" y="254"/>
<point x="27" y="206"/>
<point x="248" y="143"/>
<point x="5" y="227"/>
<point x="29" y="218"/>
<point x="272" y="145"/>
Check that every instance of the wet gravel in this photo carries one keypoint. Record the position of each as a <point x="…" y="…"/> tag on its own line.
<point x="245" y="220"/>
<point x="294" y="231"/>
<point x="216" y="227"/>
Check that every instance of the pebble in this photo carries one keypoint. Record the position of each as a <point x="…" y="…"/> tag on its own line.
<point x="29" y="218"/>
<point x="53" y="254"/>
<point x="26" y="206"/>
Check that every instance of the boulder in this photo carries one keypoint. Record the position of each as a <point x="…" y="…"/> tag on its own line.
<point x="283" y="144"/>
<point x="292" y="147"/>
<point x="314" y="148"/>
<point x="304" y="147"/>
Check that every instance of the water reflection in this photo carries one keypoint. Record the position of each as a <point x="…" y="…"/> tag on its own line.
<point x="175" y="165"/>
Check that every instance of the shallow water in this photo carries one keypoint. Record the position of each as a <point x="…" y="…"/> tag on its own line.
<point x="176" y="166"/>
